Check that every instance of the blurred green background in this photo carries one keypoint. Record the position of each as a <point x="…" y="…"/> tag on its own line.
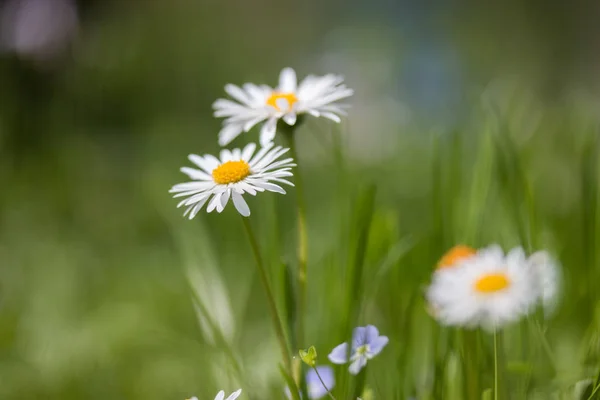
<point x="477" y="122"/>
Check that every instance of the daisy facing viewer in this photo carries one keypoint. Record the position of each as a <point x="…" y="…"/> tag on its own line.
<point x="233" y="174"/>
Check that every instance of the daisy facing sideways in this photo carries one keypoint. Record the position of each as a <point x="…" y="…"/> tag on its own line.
<point x="486" y="288"/>
<point x="315" y="95"/>
<point x="235" y="173"/>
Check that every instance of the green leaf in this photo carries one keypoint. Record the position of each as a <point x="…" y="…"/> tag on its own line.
<point x="295" y="392"/>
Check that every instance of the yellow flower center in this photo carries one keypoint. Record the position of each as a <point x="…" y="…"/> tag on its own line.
<point x="290" y="98"/>
<point x="492" y="283"/>
<point x="455" y="255"/>
<point x="231" y="172"/>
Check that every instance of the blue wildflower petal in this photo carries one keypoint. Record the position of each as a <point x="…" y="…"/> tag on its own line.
<point x="316" y="390"/>
<point x="371" y="334"/>
<point x="377" y="345"/>
<point x="339" y="355"/>
<point x="357" y="365"/>
<point x="359" y="337"/>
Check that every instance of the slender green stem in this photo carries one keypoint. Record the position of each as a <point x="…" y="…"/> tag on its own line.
<point x="323" y="383"/>
<point x="596" y="386"/>
<point x="495" y="365"/>
<point x="270" y="298"/>
<point x="594" y="391"/>
<point x="470" y="353"/>
<point x="302" y="248"/>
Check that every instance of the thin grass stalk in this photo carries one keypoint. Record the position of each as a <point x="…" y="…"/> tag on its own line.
<point x="276" y="320"/>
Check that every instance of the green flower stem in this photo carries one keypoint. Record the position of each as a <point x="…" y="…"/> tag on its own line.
<point x="495" y="365"/>
<point x="323" y="383"/>
<point x="270" y="298"/>
<point x="302" y="249"/>
<point x="597" y="383"/>
<point x="470" y="353"/>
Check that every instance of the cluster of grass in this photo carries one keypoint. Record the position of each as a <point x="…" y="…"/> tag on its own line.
<point x="107" y="293"/>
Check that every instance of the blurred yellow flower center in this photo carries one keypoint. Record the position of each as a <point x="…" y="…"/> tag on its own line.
<point x="290" y="98"/>
<point x="455" y="255"/>
<point x="492" y="283"/>
<point x="231" y="172"/>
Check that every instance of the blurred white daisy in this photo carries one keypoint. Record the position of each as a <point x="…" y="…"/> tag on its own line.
<point x="221" y="395"/>
<point x="489" y="289"/>
<point x="548" y="278"/>
<point x="315" y="95"/>
<point x="236" y="173"/>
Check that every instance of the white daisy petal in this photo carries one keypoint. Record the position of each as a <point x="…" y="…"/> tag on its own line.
<point x="228" y="108"/>
<point x="234" y="395"/>
<point x="220" y="395"/>
<point x="229" y="132"/>
<point x="224" y="200"/>
<point x="260" y="154"/>
<point x="196" y="174"/>
<point x="279" y="164"/>
<point x="206" y="164"/>
<point x="194" y="199"/>
<point x="251" y="122"/>
<point x="212" y="205"/>
<point x="237" y="154"/>
<point x="331" y="116"/>
<point x="258" y="94"/>
<point x="266" y="159"/>
<point x="287" y="81"/>
<point x="198" y="207"/>
<point x="191" y="186"/>
<point x="226" y="155"/>
<point x="246" y="187"/>
<point x="290" y="118"/>
<point x="237" y="93"/>
<point x="280" y="174"/>
<point x="267" y="132"/>
<point x="240" y="204"/>
<point x="271" y="187"/>
<point x="547" y="275"/>
<point x="248" y="151"/>
<point x="281" y="181"/>
<point x="283" y="105"/>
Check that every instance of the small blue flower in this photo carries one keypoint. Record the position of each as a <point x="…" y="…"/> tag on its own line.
<point x="315" y="388"/>
<point x="366" y="344"/>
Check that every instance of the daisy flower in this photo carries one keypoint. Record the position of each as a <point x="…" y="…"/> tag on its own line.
<point x="314" y="386"/>
<point x="235" y="173"/>
<point x="315" y="95"/>
<point x="366" y="344"/>
<point x="488" y="289"/>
